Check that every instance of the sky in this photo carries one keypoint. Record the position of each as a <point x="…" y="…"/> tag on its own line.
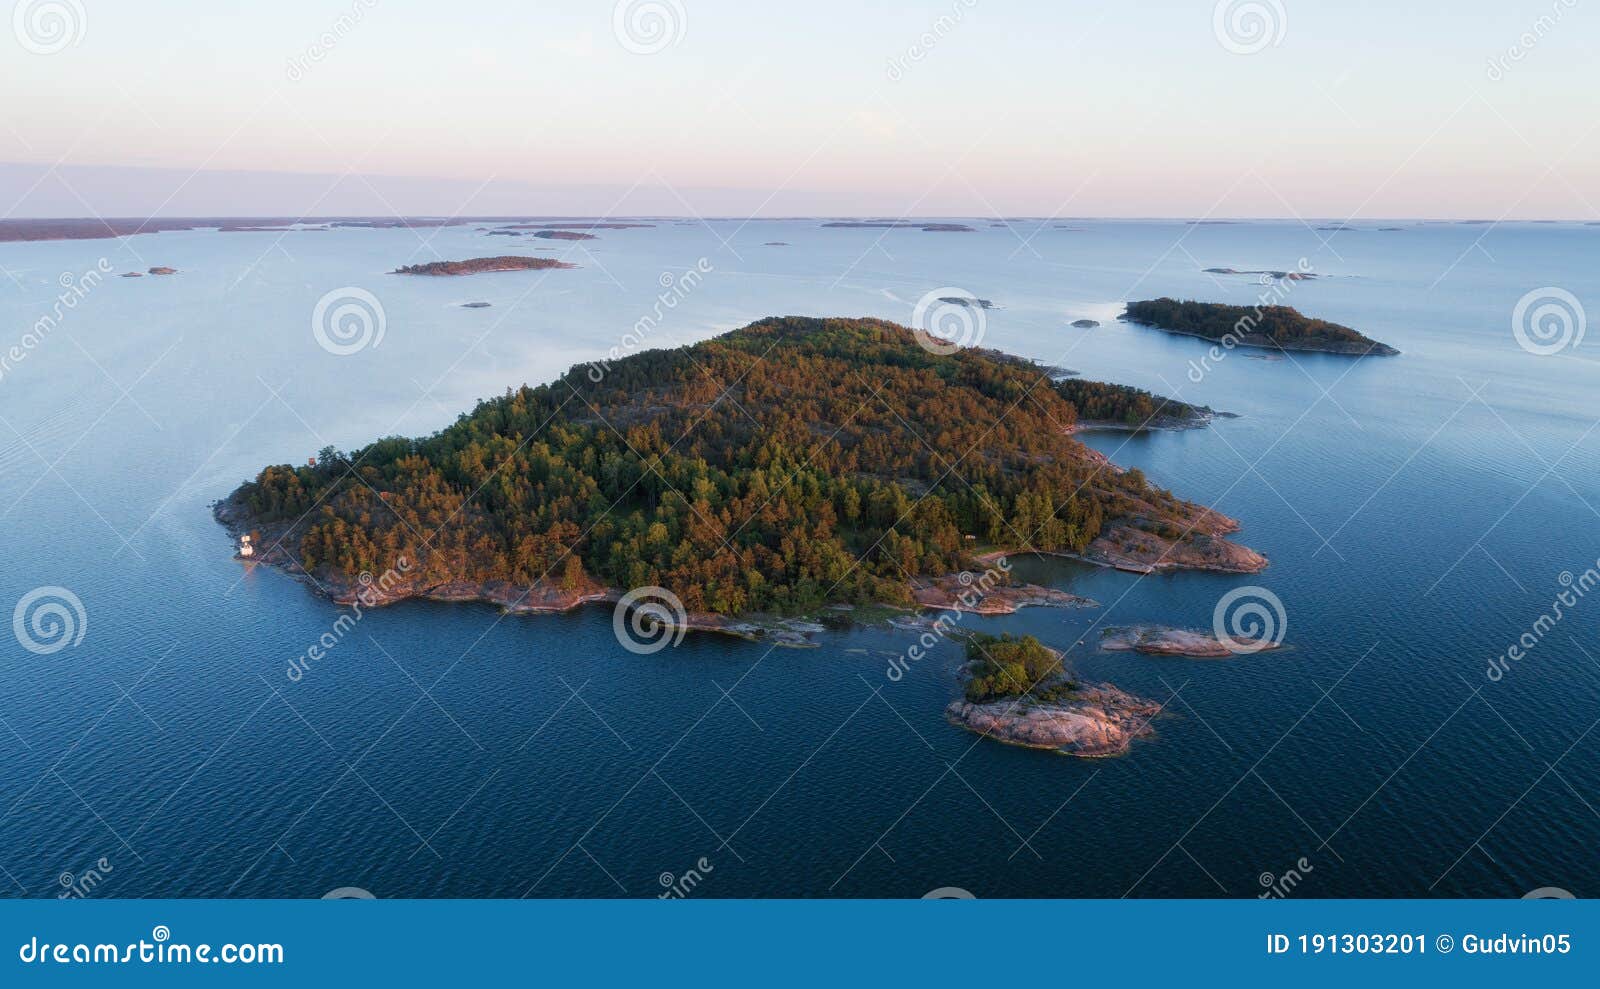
<point x="1480" y="109"/>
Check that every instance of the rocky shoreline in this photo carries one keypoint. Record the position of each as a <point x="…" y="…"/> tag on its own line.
<point x="1161" y="640"/>
<point x="1096" y="721"/>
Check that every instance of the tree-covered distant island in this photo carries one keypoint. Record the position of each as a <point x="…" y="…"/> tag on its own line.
<point x="474" y="266"/>
<point x="780" y="468"/>
<point x="1272" y="327"/>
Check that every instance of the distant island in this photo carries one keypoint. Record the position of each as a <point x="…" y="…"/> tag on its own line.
<point x="475" y="266"/>
<point x="904" y="224"/>
<point x="1271" y="327"/>
<point x="564" y="235"/>
<point x="1292" y="276"/>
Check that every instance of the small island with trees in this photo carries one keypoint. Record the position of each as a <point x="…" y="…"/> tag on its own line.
<point x="475" y="266"/>
<point x="1270" y="327"/>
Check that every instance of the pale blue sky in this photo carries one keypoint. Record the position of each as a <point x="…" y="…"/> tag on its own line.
<point x="1106" y="109"/>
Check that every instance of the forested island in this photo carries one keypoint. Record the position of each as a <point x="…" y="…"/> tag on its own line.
<point x="787" y="466"/>
<point x="476" y="266"/>
<point x="1272" y="327"/>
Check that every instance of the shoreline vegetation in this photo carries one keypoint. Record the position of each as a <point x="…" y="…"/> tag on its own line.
<point x="476" y="266"/>
<point x="1268" y="327"/>
<point x="766" y="480"/>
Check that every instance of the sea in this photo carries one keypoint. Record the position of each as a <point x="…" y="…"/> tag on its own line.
<point x="1427" y="729"/>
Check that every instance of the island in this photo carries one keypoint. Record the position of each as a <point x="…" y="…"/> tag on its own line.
<point x="475" y="266"/>
<point x="966" y="300"/>
<point x="1290" y="276"/>
<point x="1086" y="324"/>
<point x="474" y="305"/>
<point x="1017" y="692"/>
<point x="774" y="468"/>
<point x="1122" y="407"/>
<point x="564" y="235"/>
<point x="904" y="225"/>
<point x="1270" y="327"/>
<point x="765" y="480"/>
<point x="1160" y="640"/>
<point x="163" y="271"/>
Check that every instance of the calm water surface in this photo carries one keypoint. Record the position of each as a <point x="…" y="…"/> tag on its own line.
<point x="1418" y="511"/>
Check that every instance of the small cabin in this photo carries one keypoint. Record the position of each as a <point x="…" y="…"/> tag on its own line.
<point x="245" y="549"/>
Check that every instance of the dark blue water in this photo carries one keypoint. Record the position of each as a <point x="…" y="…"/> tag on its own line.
<point x="1418" y="512"/>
